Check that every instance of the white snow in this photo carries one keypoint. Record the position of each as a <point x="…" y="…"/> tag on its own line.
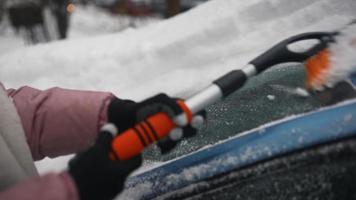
<point x="92" y="21"/>
<point x="302" y="92"/>
<point x="290" y="90"/>
<point x="343" y="59"/>
<point x="53" y="165"/>
<point x="8" y="41"/>
<point x="178" y="56"/>
<point x="271" y="97"/>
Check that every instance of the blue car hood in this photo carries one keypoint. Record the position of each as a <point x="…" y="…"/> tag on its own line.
<point x="275" y="139"/>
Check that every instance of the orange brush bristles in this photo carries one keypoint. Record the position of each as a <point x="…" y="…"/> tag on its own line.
<point x="315" y="68"/>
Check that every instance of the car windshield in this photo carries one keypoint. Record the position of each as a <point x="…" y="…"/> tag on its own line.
<point x="273" y="95"/>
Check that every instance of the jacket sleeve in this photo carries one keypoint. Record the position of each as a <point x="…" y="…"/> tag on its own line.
<point x="51" y="187"/>
<point x="60" y="121"/>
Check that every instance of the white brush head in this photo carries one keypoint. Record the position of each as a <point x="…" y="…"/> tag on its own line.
<point x="343" y="57"/>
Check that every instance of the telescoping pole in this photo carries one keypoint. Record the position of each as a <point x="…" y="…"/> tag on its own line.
<point x="132" y="142"/>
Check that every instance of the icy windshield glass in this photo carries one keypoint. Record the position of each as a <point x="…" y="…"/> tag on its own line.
<point x="270" y="96"/>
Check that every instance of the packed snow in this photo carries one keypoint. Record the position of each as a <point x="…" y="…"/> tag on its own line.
<point x="211" y="39"/>
<point x="291" y="91"/>
<point x="178" y="56"/>
<point x="91" y="21"/>
<point x="271" y="97"/>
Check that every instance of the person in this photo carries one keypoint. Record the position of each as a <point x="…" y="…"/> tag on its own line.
<point x="1" y="10"/>
<point x="38" y="123"/>
<point x="59" y="9"/>
<point x="27" y="15"/>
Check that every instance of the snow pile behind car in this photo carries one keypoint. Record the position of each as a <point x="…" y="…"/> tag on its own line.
<point x="177" y="56"/>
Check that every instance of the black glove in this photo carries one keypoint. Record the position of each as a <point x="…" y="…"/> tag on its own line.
<point x="126" y="113"/>
<point x="96" y="176"/>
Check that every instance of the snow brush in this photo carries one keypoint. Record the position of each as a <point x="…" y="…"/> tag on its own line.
<point x="158" y="126"/>
<point x="335" y="63"/>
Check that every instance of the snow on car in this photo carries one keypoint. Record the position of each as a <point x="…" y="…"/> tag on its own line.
<point x="182" y="55"/>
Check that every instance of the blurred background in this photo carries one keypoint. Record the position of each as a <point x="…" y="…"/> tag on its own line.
<point x="41" y="21"/>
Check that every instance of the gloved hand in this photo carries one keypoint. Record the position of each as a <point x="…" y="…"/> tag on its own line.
<point x="126" y="113"/>
<point x="96" y="176"/>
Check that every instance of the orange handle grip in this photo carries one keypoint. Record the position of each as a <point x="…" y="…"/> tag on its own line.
<point x="132" y="142"/>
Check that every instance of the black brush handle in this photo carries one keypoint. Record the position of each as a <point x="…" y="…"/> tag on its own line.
<point x="281" y="54"/>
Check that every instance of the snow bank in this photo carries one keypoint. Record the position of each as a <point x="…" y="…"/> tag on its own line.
<point x="90" y="21"/>
<point x="176" y="56"/>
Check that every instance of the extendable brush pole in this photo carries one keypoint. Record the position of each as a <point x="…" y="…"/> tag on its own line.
<point x="132" y="142"/>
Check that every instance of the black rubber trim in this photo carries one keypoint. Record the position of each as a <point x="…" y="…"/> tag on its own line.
<point x="140" y="136"/>
<point x="146" y="133"/>
<point x="153" y="131"/>
<point x="231" y="81"/>
<point x="281" y="54"/>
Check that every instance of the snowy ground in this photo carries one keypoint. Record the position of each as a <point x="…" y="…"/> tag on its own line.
<point x="8" y="41"/>
<point x="85" y="22"/>
<point x="177" y="56"/>
<point x="91" y="21"/>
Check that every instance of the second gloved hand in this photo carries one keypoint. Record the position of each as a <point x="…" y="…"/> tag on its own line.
<point x="96" y="176"/>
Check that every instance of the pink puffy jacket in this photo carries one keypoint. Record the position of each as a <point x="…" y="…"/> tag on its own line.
<point x="56" y="122"/>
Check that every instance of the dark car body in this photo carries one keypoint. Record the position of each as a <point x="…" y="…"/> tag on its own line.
<point x="309" y="153"/>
